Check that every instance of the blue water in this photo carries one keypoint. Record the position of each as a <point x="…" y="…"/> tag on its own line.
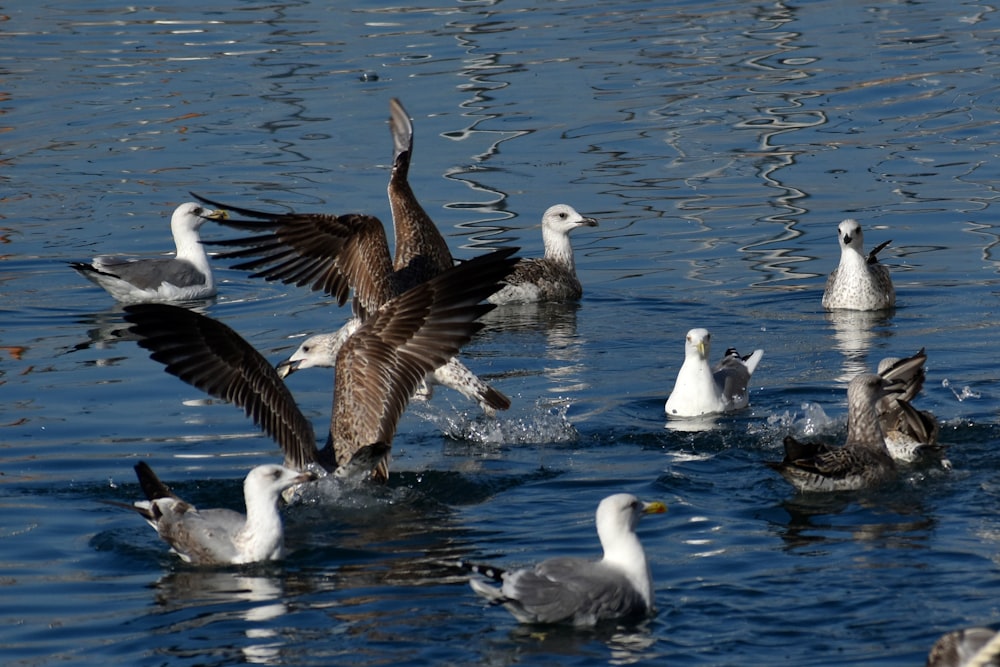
<point x="719" y="144"/>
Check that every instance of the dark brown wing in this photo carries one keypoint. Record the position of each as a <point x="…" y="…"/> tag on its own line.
<point x="329" y="253"/>
<point x="421" y="251"/>
<point x="212" y="357"/>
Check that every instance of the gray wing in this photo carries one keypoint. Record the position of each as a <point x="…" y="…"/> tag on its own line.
<point x="560" y="589"/>
<point x="383" y="363"/>
<point x="732" y="376"/>
<point x="212" y="357"/>
<point x="151" y="273"/>
<point x="202" y="537"/>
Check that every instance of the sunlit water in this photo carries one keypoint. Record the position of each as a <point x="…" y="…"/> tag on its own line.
<point x="719" y="144"/>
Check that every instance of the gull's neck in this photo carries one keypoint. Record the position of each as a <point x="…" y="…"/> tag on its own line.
<point x="191" y="249"/>
<point x="624" y="552"/>
<point x="262" y="536"/>
<point x="557" y="248"/>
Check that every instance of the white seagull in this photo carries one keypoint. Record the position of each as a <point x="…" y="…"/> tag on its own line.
<point x="701" y="389"/>
<point x="859" y="282"/>
<point x="220" y="536"/>
<point x="378" y="368"/>
<point x="552" y="277"/>
<point x="184" y="277"/>
<point x="578" y="591"/>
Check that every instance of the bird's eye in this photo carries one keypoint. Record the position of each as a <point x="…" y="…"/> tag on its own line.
<point x="306" y="348"/>
<point x="562" y="216"/>
<point x="198" y="210"/>
<point x="277" y="473"/>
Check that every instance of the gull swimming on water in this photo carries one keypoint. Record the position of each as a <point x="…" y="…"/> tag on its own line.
<point x="910" y="434"/>
<point x="859" y="282"/>
<point x="971" y="647"/>
<point x="578" y="591"/>
<point x="184" y="277"/>
<point x="552" y="277"/>
<point x="701" y="389"/>
<point x="378" y="368"/>
<point x="220" y="536"/>
<point x="862" y="462"/>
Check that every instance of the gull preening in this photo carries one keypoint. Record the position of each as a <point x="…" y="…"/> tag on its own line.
<point x="701" y="389"/>
<point x="552" y="277"/>
<point x="220" y="536"/>
<point x="862" y="462"/>
<point x="377" y="370"/>
<point x="578" y="591"/>
<point x="910" y="434"/>
<point x="859" y="282"/>
<point x="184" y="277"/>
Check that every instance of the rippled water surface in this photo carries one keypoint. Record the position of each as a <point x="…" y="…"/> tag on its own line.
<point x="719" y="144"/>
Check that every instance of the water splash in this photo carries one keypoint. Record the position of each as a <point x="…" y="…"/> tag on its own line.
<point x="965" y="393"/>
<point x="545" y="422"/>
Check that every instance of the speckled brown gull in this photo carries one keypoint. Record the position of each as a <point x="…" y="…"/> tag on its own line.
<point x="184" y="277"/>
<point x="578" y="591"/>
<point x="859" y="282"/>
<point x="701" y="389"/>
<point x="335" y="254"/>
<point x="910" y="434"/>
<point x="971" y="647"/>
<point x="862" y="462"/>
<point x="378" y="368"/>
<point x="552" y="277"/>
<point x="220" y="536"/>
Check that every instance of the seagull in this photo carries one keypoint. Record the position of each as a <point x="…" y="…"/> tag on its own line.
<point x="320" y="351"/>
<point x="184" y="277"/>
<point x="971" y="647"/>
<point x="701" y="389"/>
<point x="552" y="277"/>
<point x="858" y="282"/>
<point x="863" y="461"/>
<point x="578" y="591"/>
<point x="377" y="370"/>
<point x="220" y="536"/>
<point x="910" y="434"/>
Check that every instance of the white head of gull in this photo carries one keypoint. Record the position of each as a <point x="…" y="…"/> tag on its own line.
<point x="701" y="389"/>
<point x="184" y="277"/>
<point x="377" y="369"/>
<point x="220" y="536"/>
<point x="863" y="462"/>
<point x="552" y="277"/>
<point x="859" y="282"/>
<point x="578" y="591"/>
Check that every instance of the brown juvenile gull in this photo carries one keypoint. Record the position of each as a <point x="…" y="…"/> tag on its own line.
<point x="910" y="434"/>
<point x="701" y="389"/>
<point x="858" y="282"/>
<point x="971" y="647"/>
<point x="862" y="462"/>
<point x="578" y="591"/>
<point x="334" y="254"/>
<point x="378" y="368"/>
<point x="220" y="536"/>
<point x="184" y="277"/>
<point x="552" y="277"/>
